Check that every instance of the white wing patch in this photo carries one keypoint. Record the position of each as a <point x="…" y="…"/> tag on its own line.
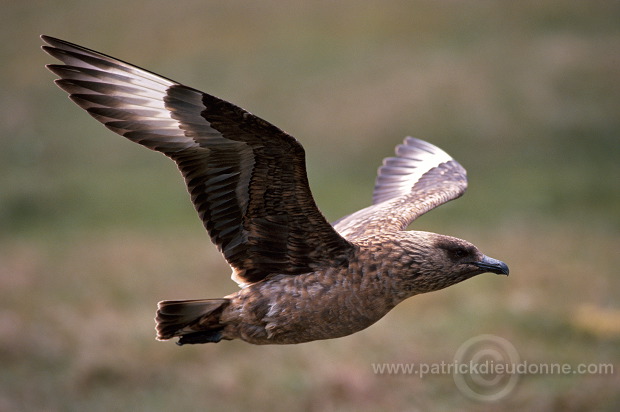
<point x="399" y="174"/>
<point x="97" y="81"/>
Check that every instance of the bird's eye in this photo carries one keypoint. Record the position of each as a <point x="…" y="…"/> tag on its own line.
<point x="455" y="251"/>
<point x="459" y="253"/>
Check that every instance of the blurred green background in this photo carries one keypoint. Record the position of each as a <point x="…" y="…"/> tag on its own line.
<point x="94" y="230"/>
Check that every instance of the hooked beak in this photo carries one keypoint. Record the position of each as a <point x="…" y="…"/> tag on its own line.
<point x="492" y="265"/>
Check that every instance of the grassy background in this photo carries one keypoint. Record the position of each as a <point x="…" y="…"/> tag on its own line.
<point x="94" y="230"/>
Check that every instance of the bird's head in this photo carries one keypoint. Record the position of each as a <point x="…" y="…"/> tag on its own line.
<point x="434" y="262"/>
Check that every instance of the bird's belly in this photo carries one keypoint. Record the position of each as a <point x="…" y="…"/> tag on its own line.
<point x="297" y="309"/>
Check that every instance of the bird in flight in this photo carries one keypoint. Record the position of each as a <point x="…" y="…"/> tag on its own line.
<point x="301" y="278"/>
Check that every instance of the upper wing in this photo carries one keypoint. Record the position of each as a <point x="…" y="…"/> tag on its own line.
<point x="246" y="177"/>
<point x="420" y="178"/>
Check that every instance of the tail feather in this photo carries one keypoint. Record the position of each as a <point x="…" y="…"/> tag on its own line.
<point x="184" y="317"/>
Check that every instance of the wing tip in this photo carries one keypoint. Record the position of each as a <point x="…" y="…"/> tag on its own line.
<point x="53" y="42"/>
<point x="414" y="159"/>
<point x="421" y="146"/>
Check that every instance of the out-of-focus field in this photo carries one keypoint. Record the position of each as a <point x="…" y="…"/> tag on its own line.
<point x="94" y="230"/>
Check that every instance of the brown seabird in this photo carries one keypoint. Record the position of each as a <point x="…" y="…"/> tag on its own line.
<point x="301" y="278"/>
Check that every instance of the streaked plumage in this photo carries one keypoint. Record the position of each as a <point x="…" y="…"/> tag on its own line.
<point x="302" y="279"/>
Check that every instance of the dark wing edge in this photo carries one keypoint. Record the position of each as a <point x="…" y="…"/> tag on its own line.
<point x="420" y="178"/>
<point x="247" y="178"/>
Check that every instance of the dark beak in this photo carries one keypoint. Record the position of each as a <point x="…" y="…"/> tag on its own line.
<point x="492" y="265"/>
